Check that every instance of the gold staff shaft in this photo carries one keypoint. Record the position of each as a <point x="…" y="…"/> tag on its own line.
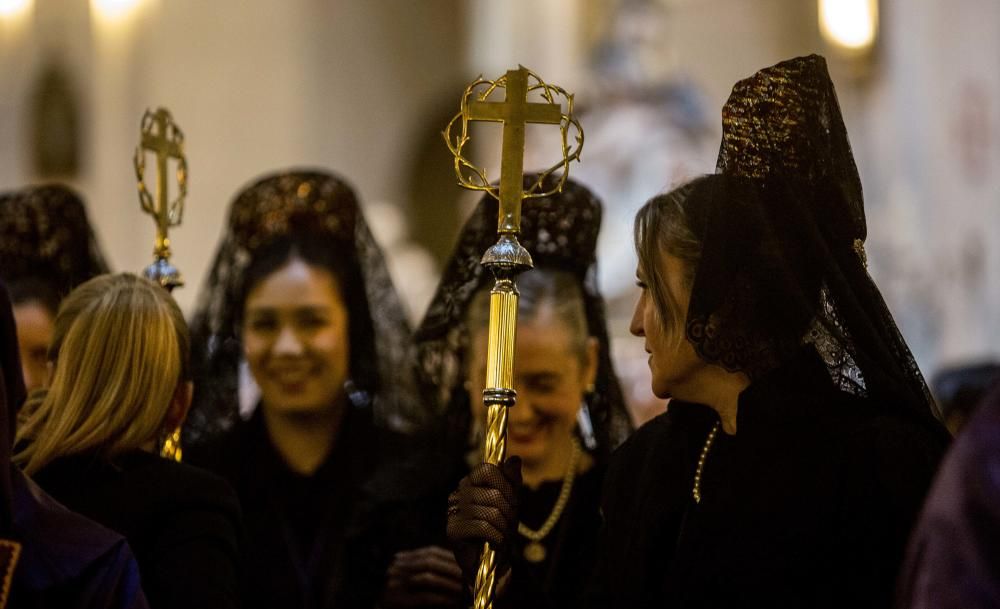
<point x="498" y="396"/>
<point x="162" y="245"/>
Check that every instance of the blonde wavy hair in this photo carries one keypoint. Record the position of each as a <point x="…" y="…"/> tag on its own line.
<point x="120" y="347"/>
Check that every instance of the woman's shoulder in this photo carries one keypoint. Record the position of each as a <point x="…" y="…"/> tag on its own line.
<point x="680" y="421"/>
<point x="147" y="483"/>
<point x="190" y="481"/>
<point x="860" y="422"/>
<point x="661" y="449"/>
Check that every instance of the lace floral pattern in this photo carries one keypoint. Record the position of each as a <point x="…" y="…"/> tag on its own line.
<point x="783" y="258"/>
<point x="44" y="233"/>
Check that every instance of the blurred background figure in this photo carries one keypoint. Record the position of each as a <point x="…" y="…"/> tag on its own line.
<point x="953" y="561"/>
<point x="120" y="384"/>
<point x="51" y="557"/>
<point x="959" y="390"/>
<point x="47" y="248"/>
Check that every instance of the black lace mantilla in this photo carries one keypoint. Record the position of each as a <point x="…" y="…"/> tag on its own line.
<point x="44" y="234"/>
<point x="783" y="257"/>
<point x="560" y="232"/>
<point x="276" y="206"/>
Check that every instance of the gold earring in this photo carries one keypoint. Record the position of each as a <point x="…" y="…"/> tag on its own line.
<point x="171" y="448"/>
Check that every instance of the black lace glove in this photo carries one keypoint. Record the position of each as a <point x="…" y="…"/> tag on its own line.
<point x="484" y="509"/>
<point x="425" y="577"/>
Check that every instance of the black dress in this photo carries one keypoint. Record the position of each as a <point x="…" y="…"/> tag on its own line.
<point x="418" y="518"/>
<point x="808" y="505"/>
<point x="307" y="536"/>
<point x="570" y="547"/>
<point x="182" y="523"/>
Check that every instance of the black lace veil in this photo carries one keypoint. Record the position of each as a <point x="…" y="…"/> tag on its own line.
<point x="560" y="232"/>
<point x="783" y="260"/>
<point x="45" y="236"/>
<point x="283" y="206"/>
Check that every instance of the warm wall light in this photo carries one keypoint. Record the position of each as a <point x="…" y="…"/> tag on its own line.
<point x="13" y="8"/>
<point x="112" y="10"/>
<point x="849" y="24"/>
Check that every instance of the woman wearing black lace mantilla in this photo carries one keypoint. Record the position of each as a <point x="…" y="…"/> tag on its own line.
<point x="570" y="413"/>
<point x="801" y="438"/>
<point x="300" y="293"/>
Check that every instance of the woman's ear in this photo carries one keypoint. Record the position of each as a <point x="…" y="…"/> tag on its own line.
<point x="180" y="404"/>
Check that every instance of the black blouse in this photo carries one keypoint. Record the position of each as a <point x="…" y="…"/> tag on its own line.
<point x="307" y="544"/>
<point x="808" y="505"/>
<point x="182" y="523"/>
<point x="569" y="548"/>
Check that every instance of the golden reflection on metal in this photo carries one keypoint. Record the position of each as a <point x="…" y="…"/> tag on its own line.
<point x="161" y="136"/>
<point x="507" y="258"/>
<point x="171" y="448"/>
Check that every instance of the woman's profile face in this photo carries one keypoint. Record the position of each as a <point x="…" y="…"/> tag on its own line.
<point x="551" y="376"/>
<point x="295" y="339"/>
<point x="672" y="359"/>
<point x="34" y="335"/>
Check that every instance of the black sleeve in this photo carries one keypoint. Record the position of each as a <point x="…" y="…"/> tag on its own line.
<point x="641" y="506"/>
<point x="197" y="552"/>
<point x="889" y="466"/>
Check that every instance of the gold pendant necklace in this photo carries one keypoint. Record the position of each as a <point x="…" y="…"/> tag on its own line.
<point x="535" y="551"/>
<point x="696" y="490"/>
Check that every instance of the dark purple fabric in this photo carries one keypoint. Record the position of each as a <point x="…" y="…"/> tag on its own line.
<point x="12" y="395"/>
<point x="68" y="561"/>
<point x="954" y="556"/>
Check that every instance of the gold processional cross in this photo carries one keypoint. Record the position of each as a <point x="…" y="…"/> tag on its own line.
<point x="515" y="112"/>
<point x="507" y="258"/>
<point x="161" y="136"/>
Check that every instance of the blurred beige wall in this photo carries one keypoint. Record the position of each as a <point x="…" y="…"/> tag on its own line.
<point x="256" y="85"/>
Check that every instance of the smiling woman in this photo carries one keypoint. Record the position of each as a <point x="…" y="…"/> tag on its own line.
<point x="290" y="296"/>
<point x="569" y="414"/>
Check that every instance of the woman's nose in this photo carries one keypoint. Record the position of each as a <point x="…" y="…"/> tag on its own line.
<point x="635" y="326"/>
<point x="287" y="343"/>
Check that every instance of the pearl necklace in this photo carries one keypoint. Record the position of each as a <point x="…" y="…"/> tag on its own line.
<point x="535" y="551"/>
<point x="696" y="491"/>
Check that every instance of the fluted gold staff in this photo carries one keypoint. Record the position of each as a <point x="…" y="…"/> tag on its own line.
<point x="507" y="258"/>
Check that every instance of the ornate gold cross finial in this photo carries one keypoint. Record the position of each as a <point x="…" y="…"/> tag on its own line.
<point x="515" y="112"/>
<point x="507" y="258"/>
<point x="161" y="136"/>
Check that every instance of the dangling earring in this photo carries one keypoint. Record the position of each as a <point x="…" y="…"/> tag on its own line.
<point x="585" y="423"/>
<point x="171" y="448"/>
